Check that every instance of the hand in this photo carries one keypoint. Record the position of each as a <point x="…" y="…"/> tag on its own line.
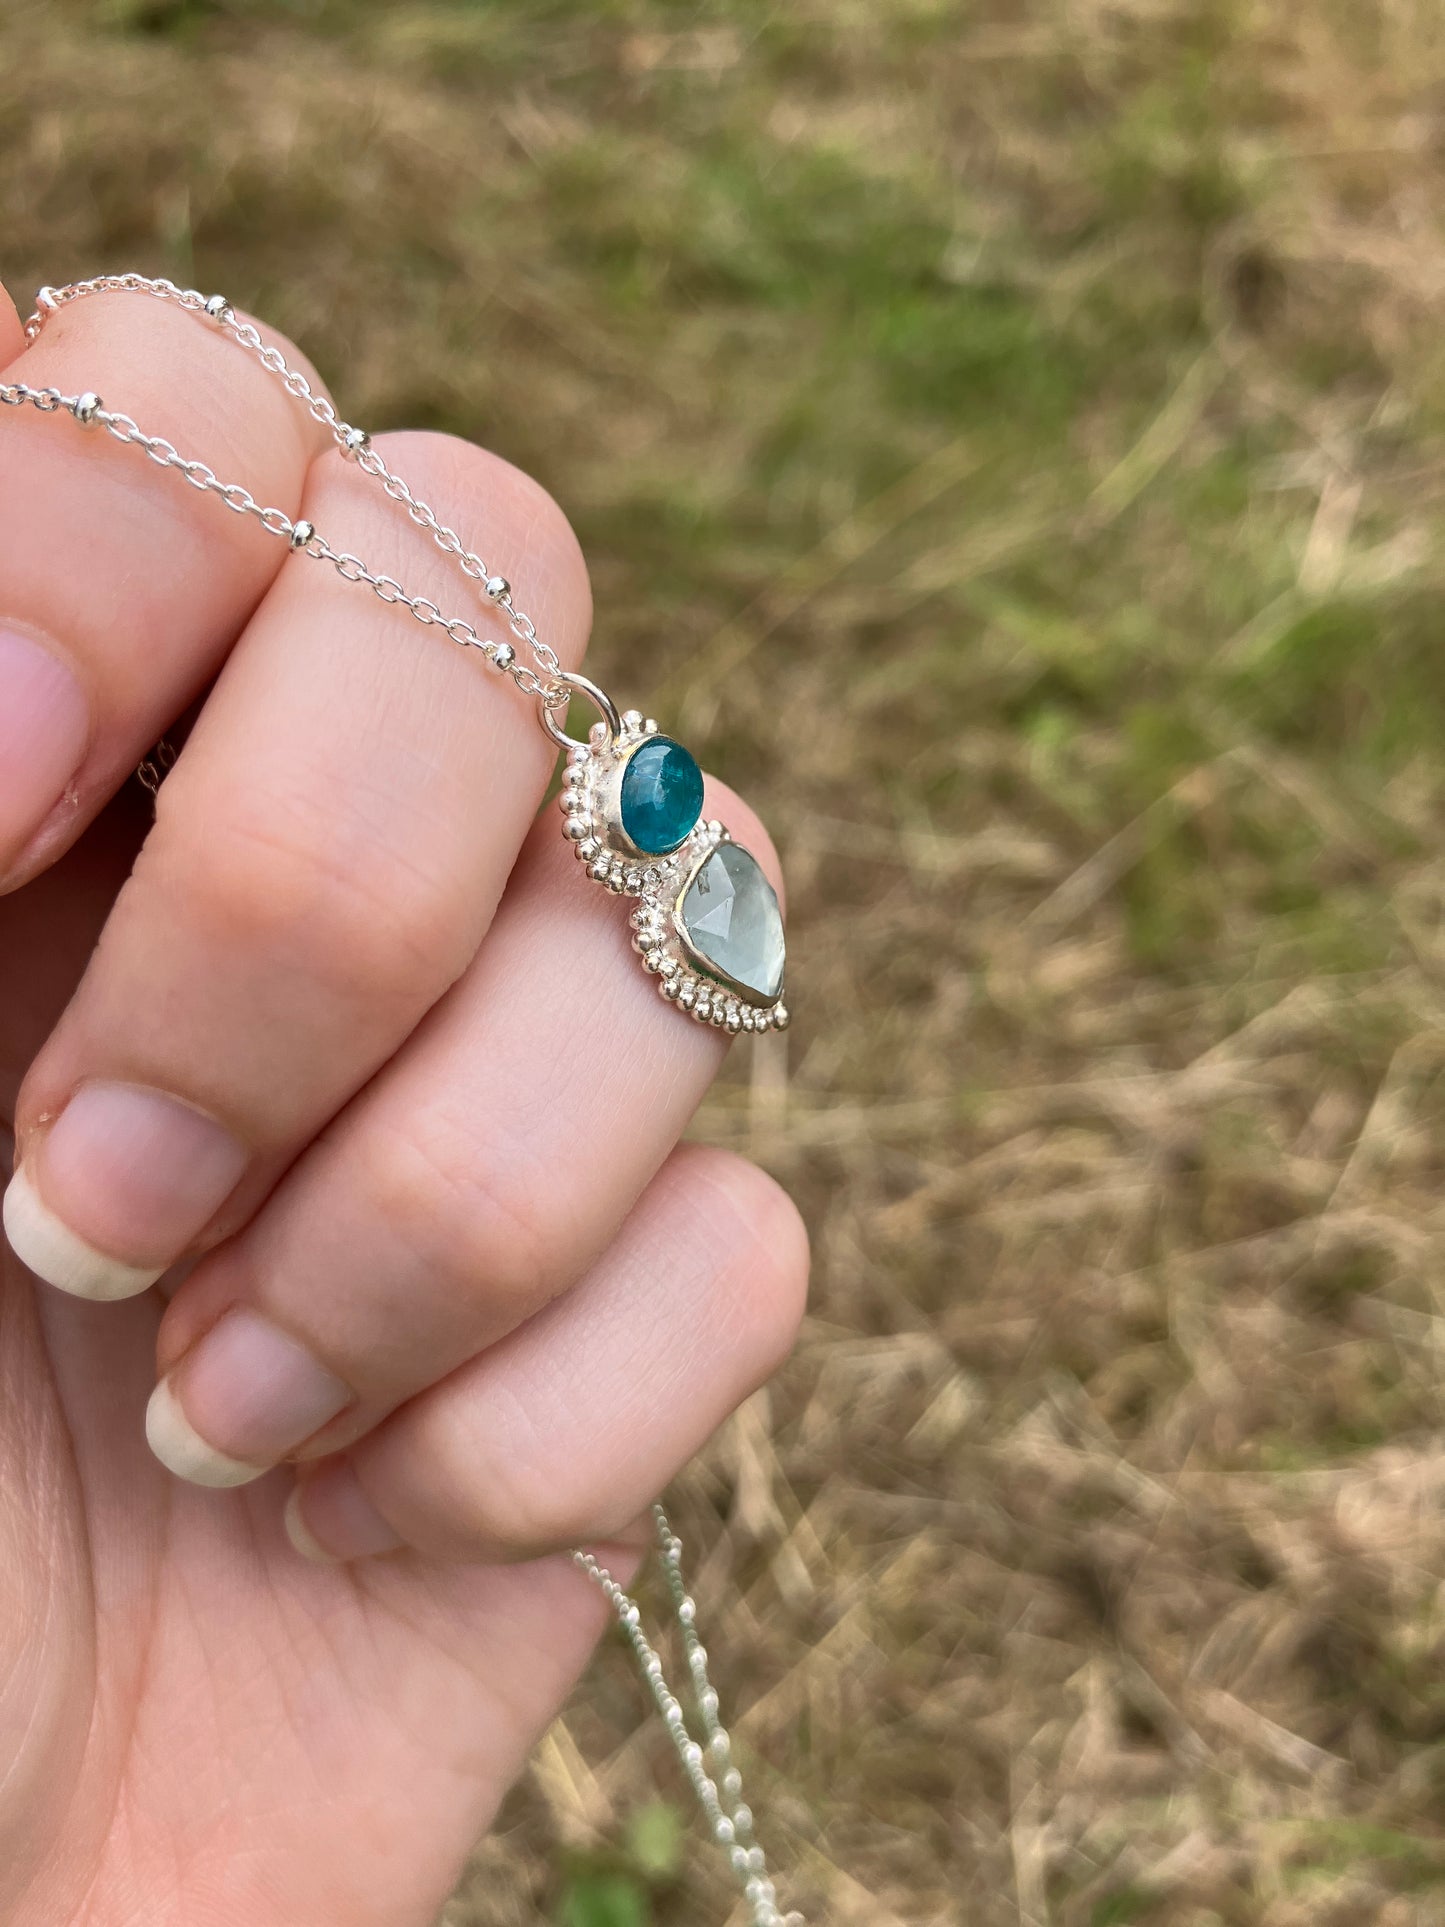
<point x="362" y="1057"/>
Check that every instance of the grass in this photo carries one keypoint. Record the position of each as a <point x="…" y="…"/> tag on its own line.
<point x="1008" y="439"/>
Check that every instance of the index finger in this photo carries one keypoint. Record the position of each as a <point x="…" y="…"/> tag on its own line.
<point x="120" y="590"/>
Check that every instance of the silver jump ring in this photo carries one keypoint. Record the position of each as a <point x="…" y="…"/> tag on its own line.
<point x="559" y="693"/>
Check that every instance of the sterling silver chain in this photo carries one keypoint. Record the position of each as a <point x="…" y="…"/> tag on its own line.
<point x="543" y="678"/>
<point x="706" y="1754"/>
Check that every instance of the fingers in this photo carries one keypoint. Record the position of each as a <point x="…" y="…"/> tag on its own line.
<point x="568" y="1429"/>
<point x="473" y="1181"/>
<point x="326" y="856"/>
<point x="12" y="332"/>
<point x="120" y="587"/>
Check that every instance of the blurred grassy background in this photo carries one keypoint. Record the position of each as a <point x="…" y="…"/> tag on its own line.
<point x="1008" y="440"/>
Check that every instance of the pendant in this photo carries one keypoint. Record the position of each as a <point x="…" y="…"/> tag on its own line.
<point x="707" y="924"/>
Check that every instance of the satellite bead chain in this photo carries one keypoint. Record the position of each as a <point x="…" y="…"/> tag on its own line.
<point x="719" y="1791"/>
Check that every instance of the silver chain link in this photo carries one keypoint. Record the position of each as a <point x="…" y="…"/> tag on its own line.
<point x="540" y="678"/>
<point x="706" y="1760"/>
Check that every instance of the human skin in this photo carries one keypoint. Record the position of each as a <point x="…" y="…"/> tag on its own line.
<point x="343" y="1048"/>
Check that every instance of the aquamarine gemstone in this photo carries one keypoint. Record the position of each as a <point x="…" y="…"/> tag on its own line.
<point x="730" y="916"/>
<point x="661" y="795"/>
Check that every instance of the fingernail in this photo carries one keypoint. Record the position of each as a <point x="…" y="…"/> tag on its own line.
<point x="54" y="1253"/>
<point x="330" y="1519"/>
<point x="242" y="1398"/>
<point x="182" y="1450"/>
<point x="44" y="727"/>
<point x="117" y="1188"/>
<point x="300" y="1535"/>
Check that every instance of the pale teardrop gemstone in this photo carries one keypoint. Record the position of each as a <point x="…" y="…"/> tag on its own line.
<point x="729" y="914"/>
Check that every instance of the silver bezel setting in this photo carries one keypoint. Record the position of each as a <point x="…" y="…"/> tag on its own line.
<point x="591" y="785"/>
<point x="607" y="762"/>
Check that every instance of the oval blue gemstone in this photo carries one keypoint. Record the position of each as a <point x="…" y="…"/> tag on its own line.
<point x="661" y="795"/>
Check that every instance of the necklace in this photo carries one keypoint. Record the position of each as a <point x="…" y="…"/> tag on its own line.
<point x="706" y="926"/>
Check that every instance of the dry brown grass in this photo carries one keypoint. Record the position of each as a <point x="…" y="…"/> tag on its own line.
<point x="1009" y="439"/>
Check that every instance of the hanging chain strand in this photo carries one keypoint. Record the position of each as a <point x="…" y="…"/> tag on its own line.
<point x="707" y="1756"/>
<point x="719" y="1791"/>
<point x="540" y="678"/>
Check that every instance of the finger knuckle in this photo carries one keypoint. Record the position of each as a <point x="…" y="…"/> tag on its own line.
<point x="470" y="1212"/>
<point x="378" y="928"/>
<point x="531" y="1502"/>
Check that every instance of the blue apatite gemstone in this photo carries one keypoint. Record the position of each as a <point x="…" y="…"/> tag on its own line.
<point x="661" y="795"/>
